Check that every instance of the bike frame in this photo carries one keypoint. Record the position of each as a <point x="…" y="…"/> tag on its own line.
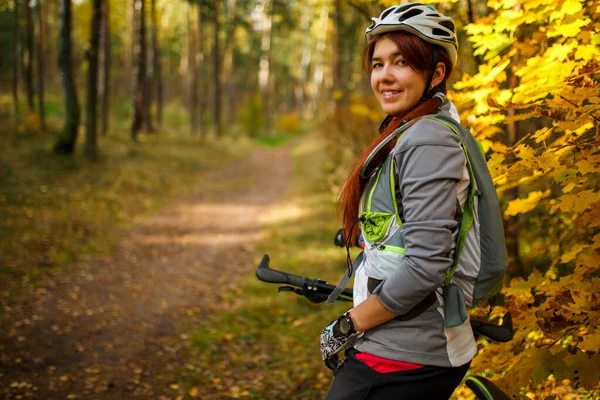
<point x="317" y="291"/>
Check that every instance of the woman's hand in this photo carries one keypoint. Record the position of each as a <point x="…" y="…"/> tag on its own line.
<point x="335" y="338"/>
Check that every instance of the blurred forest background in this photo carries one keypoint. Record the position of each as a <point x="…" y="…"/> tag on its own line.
<point x="113" y="106"/>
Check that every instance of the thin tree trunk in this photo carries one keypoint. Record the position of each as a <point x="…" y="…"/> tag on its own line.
<point x="265" y="58"/>
<point x="513" y="223"/>
<point x="228" y="58"/>
<point x="201" y="70"/>
<point x="29" y="58"/>
<point x="140" y="80"/>
<point x="106" y="61"/>
<point x="148" y="92"/>
<point x="66" y="140"/>
<point x="130" y="44"/>
<point x="49" y="50"/>
<point x="471" y="14"/>
<point x="156" y="67"/>
<point x="91" y="140"/>
<point x="300" y="89"/>
<point x="339" y="50"/>
<point x="192" y="73"/>
<point x="40" y="64"/>
<point x="217" y="70"/>
<point x="16" y="58"/>
<point x="319" y="64"/>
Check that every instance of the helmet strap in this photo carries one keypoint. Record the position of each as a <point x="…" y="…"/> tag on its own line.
<point x="428" y="87"/>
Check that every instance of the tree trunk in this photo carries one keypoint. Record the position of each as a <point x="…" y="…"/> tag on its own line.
<point x="29" y="58"/>
<point x="49" y="11"/>
<point x="300" y="89"/>
<point x="192" y="73"/>
<point x="148" y="92"/>
<point x="106" y="61"/>
<point x="513" y="224"/>
<point x="66" y="140"/>
<point x="156" y="67"/>
<point x="265" y="59"/>
<point x="217" y="70"/>
<point x="140" y="60"/>
<point x="319" y="67"/>
<point x="228" y="58"/>
<point x="339" y="51"/>
<point x="40" y="64"/>
<point x="128" y="77"/>
<point x="16" y="59"/>
<point x="202" y="71"/>
<point x="91" y="141"/>
<point x="472" y="16"/>
<point x="338" y="66"/>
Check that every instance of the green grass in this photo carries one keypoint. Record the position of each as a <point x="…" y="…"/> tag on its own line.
<point x="266" y="346"/>
<point x="57" y="210"/>
<point x="277" y="139"/>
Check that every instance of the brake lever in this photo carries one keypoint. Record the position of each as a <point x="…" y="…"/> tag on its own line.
<point x="289" y="289"/>
<point x="310" y="295"/>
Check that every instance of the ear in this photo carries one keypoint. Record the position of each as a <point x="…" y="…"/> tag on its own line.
<point x="438" y="74"/>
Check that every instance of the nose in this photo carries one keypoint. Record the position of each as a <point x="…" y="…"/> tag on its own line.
<point x="386" y="73"/>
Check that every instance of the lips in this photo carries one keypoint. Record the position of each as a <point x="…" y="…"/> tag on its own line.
<point x="390" y="94"/>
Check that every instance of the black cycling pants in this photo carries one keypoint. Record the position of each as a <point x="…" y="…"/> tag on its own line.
<point x="357" y="381"/>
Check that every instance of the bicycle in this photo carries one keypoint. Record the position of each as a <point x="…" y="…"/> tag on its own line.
<point x="317" y="291"/>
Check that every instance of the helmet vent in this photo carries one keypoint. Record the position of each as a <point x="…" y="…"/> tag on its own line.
<point x="405" y="7"/>
<point x="434" y="15"/>
<point x="409" y="14"/>
<point x="386" y="13"/>
<point x="440" y="32"/>
<point x="448" y="24"/>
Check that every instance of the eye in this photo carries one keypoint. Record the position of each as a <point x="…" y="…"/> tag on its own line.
<point x="376" y="65"/>
<point x="401" y="61"/>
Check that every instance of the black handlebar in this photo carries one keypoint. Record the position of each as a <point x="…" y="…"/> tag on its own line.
<point x="266" y="274"/>
<point x="317" y="291"/>
<point x="499" y="333"/>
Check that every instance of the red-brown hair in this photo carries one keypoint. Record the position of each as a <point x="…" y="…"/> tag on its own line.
<point x="419" y="55"/>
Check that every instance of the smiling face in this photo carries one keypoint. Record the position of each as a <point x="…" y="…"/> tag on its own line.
<point x="397" y="87"/>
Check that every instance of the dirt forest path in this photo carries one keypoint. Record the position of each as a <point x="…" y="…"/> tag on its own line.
<point x="118" y="328"/>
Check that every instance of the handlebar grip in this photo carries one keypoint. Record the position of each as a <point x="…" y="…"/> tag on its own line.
<point x="499" y="333"/>
<point x="266" y="274"/>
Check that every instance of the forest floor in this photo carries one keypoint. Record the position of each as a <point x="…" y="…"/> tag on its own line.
<point x="121" y="326"/>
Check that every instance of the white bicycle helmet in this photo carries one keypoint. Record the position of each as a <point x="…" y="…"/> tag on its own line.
<point x="418" y="19"/>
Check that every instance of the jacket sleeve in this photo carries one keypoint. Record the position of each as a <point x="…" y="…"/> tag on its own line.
<point x="429" y="163"/>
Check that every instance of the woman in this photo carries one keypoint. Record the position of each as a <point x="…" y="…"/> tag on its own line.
<point x="407" y="192"/>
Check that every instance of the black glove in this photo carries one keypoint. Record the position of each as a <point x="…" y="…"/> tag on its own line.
<point x="335" y="338"/>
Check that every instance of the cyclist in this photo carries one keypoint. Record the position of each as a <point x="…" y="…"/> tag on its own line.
<point x="408" y="192"/>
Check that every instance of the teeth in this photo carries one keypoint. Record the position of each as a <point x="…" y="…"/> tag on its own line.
<point x="390" y="92"/>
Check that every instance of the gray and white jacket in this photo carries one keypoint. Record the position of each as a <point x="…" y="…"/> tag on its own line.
<point x="407" y="255"/>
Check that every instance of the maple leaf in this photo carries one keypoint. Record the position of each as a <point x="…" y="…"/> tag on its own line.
<point x="568" y="7"/>
<point x="571" y="255"/>
<point x="568" y="30"/>
<point x="590" y="165"/>
<point x="590" y="342"/>
<point x="542" y="134"/>
<point x="577" y="202"/>
<point x="587" y="52"/>
<point x="520" y="206"/>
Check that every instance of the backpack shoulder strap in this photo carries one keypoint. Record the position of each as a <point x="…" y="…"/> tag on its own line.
<point x="345" y="279"/>
<point x="468" y="212"/>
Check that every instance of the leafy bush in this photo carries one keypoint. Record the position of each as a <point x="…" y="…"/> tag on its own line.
<point x="251" y="117"/>
<point x="289" y="123"/>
